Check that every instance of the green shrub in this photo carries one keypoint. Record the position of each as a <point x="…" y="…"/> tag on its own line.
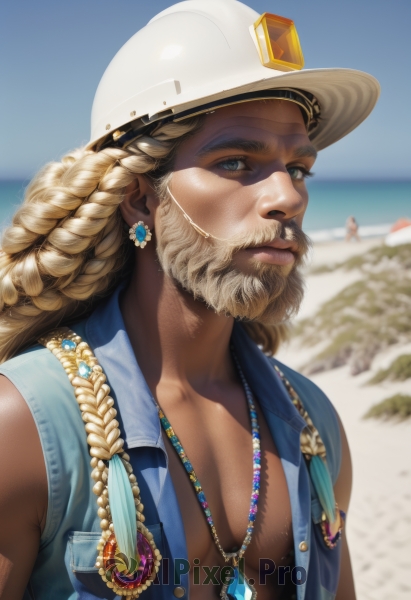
<point x="399" y="254"/>
<point x="321" y="269"/>
<point x="399" y="369"/>
<point x="398" y="406"/>
<point x="360" y="321"/>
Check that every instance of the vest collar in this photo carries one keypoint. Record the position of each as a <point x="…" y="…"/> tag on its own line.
<point x="106" y="334"/>
<point x="264" y="380"/>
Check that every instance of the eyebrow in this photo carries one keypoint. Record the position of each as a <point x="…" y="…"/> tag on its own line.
<point x="236" y="144"/>
<point x="254" y="146"/>
<point x="305" y="152"/>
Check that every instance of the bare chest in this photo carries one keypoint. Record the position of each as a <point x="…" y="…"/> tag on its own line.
<point x="219" y="446"/>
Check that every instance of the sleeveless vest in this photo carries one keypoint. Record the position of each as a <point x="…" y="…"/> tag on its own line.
<point x="64" y="569"/>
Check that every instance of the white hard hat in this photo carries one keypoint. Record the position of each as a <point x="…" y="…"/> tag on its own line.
<point x="201" y="54"/>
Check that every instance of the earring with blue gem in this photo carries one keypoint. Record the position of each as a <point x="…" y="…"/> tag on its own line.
<point x="140" y="234"/>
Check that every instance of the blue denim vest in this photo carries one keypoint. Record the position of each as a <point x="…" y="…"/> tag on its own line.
<point x="65" y="564"/>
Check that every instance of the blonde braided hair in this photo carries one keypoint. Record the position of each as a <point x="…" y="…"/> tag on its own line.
<point x="67" y="245"/>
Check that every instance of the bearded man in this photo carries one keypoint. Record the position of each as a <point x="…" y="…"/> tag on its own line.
<point x="156" y="268"/>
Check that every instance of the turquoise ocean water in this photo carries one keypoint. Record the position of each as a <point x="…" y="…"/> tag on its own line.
<point x="376" y="205"/>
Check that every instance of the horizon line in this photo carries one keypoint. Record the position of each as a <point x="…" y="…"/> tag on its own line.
<point x="338" y="179"/>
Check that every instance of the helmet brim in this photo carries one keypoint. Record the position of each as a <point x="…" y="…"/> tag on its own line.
<point x="346" y="98"/>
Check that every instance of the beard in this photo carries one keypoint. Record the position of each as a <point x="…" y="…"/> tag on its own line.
<point x="205" y="268"/>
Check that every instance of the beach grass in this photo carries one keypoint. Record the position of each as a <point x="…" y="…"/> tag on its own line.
<point x="380" y="257"/>
<point x="399" y="370"/>
<point x="397" y="406"/>
<point x="366" y="316"/>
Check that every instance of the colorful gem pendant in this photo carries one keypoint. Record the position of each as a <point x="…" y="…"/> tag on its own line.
<point x="332" y="533"/>
<point x="140" y="234"/>
<point x="130" y="574"/>
<point x="239" y="587"/>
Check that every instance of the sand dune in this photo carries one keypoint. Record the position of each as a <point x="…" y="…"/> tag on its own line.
<point x="379" y="520"/>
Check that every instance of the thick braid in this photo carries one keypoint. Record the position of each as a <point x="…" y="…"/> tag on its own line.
<point x="67" y="242"/>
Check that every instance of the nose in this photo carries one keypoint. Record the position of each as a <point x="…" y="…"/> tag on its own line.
<point x="281" y="200"/>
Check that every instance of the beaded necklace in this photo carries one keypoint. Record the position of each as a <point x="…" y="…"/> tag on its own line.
<point x="235" y="585"/>
<point x="127" y="557"/>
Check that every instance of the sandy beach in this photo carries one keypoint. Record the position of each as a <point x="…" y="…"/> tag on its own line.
<point x="379" y="520"/>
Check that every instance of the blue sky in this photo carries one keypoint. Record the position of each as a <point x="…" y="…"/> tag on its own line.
<point x="53" y="54"/>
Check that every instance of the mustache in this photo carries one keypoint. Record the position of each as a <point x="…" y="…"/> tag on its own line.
<point x="266" y="234"/>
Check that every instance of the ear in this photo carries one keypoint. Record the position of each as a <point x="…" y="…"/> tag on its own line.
<point x="140" y="202"/>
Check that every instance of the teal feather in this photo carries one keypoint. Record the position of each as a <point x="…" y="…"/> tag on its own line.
<point x="122" y="507"/>
<point x="320" y="476"/>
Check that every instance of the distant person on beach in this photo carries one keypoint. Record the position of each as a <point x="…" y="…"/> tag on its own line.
<point x="145" y="286"/>
<point x="351" y="226"/>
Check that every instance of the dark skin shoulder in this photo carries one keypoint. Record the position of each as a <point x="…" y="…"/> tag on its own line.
<point x="23" y="492"/>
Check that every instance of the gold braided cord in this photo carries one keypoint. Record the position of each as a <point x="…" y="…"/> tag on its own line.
<point x="311" y="443"/>
<point x="104" y="439"/>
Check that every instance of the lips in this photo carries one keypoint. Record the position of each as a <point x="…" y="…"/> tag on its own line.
<point x="277" y="252"/>
<point x="278" y="244"/>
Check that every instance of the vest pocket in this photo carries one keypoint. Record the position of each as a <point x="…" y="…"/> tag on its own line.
<point x="84" y="576"/>
<point x="83" y="554"/>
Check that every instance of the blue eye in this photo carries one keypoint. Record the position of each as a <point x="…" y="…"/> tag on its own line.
<point x="298" y="173"/>
<point x="234" y="164"/>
